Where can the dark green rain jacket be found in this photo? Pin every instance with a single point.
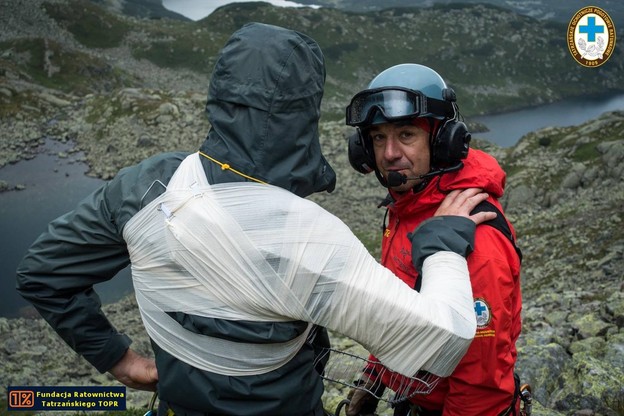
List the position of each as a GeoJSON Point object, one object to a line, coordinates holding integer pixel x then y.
{"type": "Point", "coordinates": [264, 107]}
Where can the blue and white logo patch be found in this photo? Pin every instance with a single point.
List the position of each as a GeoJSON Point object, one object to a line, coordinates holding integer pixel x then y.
{"type": "Point", "coordinates": [591, 36]}
{"type": "Point", "coordinates": [483, 313]}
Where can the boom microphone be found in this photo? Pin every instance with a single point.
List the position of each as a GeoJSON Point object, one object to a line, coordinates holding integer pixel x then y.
{"type": "Point", "coordinates": [397, 179]}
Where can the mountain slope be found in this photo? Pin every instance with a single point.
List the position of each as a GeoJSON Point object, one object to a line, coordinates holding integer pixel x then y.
{"type": "Point", "coordinates": [143, 9]}
{"type": "Point", "coordinates": [122, 89]}
{"type": "Point", "coordinates": [560, 11]}
{"type": "Point", "coordinates": [495, 59]}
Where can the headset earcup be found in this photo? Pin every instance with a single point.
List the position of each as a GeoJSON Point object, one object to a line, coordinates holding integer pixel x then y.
{"type": "Point", "coordinates": [451, 144]}
{"type": "Point", "coordinates": [359, 158]}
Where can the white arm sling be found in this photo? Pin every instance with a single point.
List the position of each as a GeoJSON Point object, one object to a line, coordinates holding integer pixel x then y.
{"type": "Point", "coordinates": [246, 251]}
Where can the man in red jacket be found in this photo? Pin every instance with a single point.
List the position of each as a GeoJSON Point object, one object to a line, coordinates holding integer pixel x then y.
{"type": "Point", "coordinates": [410, 135]}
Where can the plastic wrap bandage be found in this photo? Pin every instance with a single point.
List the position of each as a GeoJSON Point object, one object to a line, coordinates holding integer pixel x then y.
{"type": "Point", "coordinates": [346, 368]}
{"type": "Point", "coordinates": [247, 251]}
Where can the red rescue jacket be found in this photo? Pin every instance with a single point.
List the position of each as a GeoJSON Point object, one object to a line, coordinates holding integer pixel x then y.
{"type": "Point", "coordinates": [483, 383]}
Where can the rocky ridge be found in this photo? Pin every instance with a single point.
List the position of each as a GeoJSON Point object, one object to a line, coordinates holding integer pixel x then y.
{"type": "Point", "coordinates": [565, 195]}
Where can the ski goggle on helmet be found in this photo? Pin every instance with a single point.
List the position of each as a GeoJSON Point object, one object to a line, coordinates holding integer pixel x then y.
{"type": "Point", "coordinates": [401, 92]}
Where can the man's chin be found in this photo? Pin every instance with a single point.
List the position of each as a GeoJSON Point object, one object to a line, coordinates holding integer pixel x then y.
{"type": "Point", "coordinates": [404, 187]}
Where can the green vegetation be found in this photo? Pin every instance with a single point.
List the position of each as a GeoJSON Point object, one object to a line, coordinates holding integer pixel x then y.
{"type": "Point", "coordinates": [89, 24]}
{"type": "Point", "coordinates": [586, 152]}
{"type": "Point", "coordinates": [372, 241]}
{"type": "Point", "coordinates": [105, 109]}
{"type": "Point", "coordinates": [490, 72]}
{"type": "Point", "coordinates": [141, 106]}
{"type": "Point", "coordinates": [49, 64]}
{"type": "Point", "coordinates": [179, 52]}
{"type": "Point", "coordinates": [5, 412]}
{"type": "Point", "coordinates": [544, 141]}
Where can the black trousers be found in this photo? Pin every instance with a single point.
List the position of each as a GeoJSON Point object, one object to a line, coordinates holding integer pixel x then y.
{"type": "Point", "coordinates": [165, 410]}
{"type": "Point", "coordinates": [408, 409]}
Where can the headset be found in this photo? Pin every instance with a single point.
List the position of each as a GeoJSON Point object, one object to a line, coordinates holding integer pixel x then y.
{"type": "Point", "coordinates": [449, 145]}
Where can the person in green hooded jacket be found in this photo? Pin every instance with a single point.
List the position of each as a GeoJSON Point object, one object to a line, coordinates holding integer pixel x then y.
{"type": "Point", "coordinates": [264, 107]}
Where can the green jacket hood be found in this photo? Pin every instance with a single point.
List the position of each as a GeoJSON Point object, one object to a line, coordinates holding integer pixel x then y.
{"type": "Point", "coordinates": [264, 104]}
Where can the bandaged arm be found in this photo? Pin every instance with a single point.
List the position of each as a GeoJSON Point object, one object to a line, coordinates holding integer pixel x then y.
{"type": "Point", "coordinates": [302, 264]}
{"type": "Point", "coordinates": [412, 331]}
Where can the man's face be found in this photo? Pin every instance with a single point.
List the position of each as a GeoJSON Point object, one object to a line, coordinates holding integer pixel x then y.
{"type": "Point", "coordinates": [401, 147]}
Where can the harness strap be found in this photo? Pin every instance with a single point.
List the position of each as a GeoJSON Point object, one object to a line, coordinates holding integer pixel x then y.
{"type": "Point", "coordinates": [500, 223]}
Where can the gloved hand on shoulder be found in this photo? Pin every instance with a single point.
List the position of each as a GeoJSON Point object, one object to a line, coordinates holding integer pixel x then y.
{"type": "Point", "coordinates": [450, 233]}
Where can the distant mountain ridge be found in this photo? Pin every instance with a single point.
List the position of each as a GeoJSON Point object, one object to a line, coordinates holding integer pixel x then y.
{"type": "Point", "coordinates": [144, 9]}
{"type": "Point", "coordinates": [495, 59]}
{"type": "Point", "coordinates": [560, 11]}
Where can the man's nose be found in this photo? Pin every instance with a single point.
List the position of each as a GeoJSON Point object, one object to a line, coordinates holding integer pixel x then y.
{"type": "Point", "coordinates": [392, 150]}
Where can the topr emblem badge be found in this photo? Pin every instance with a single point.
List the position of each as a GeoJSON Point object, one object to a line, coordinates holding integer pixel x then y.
{"type": "Point", "coordinates": [591, 36]}
{"type": "Point", "coordinates": [483, 313]}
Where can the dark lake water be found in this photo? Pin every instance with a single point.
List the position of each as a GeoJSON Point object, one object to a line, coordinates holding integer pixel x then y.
{"type": "Point", "coordinates": [55, 184]}
{"type": "Point", "coordinates": [507, 128]}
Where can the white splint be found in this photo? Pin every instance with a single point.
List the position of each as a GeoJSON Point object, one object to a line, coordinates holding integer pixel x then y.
{"type": "Point", "coordinates": [246, 251]}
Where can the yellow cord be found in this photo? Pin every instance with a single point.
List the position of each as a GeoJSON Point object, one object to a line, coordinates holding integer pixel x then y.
{"type": "Point", "coordinates": [225, 166]}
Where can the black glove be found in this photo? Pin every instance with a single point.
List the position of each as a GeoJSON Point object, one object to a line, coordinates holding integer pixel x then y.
{"type": "Point", "coordinates": [444, 233]}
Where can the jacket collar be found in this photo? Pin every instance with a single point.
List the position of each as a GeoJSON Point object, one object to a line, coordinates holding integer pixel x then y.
{"type": "Point", "coordinates": [480, 170]}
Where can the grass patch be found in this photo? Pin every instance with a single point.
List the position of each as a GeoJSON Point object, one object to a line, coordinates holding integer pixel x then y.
{"type": "Point", "coordinates": [47, 63]}
{"type": "Point", "coordinates": [23, 103]}
{"type": "Point", "coordinates": [489, 73]}
{"type": "Point", "coordinates": [586, 152]}
{"type": "Point", "coordinates": [180, 52]}
{"type": "Point", "coordinates": [106, 110]}
{"type": "Point", "coordinates": [91, 25]}
{"type": "Point", "coordinates": [372, 242]}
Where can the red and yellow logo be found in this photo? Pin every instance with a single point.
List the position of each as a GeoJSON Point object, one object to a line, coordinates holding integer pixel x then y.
{"type": "Point", "coordinates": [591, 36]}
{"type": "Point", "coordinates": [21, 399]}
